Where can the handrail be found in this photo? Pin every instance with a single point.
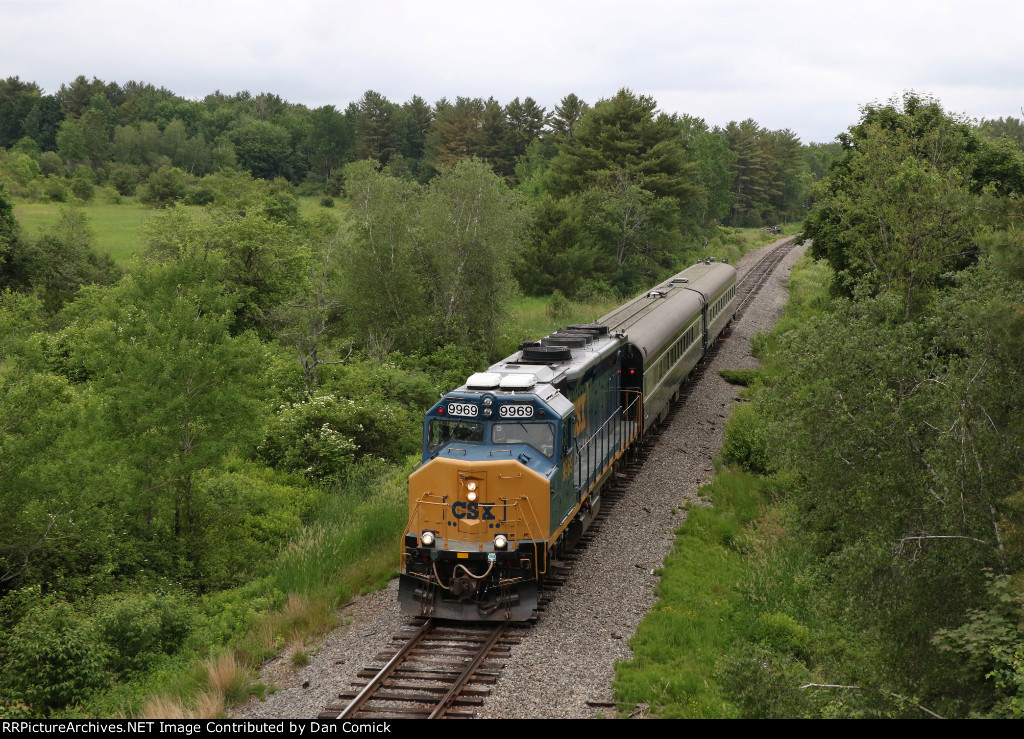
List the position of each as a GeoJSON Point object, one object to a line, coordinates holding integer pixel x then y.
{"type": "Point", "coordinates": [599, 452]}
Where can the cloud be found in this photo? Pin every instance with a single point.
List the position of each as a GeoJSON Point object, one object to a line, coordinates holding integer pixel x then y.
{"type": "Point", "coordinates": [787, 64]}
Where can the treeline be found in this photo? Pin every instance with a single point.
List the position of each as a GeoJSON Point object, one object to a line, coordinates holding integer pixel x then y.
{"type": "Point", "coordinates": [889, 581]}
{"type": "Point", "coordinates": [617, 190]}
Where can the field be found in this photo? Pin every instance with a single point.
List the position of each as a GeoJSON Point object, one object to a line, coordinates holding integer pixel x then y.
{"type": "Point", "coordinates": [117, 228]}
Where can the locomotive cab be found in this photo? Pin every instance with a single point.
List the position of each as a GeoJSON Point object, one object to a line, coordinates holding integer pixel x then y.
{"type": "Point", "coordinates": [475, 547]}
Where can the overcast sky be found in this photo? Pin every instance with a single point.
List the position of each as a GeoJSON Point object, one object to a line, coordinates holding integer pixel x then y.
{"type": "Point", "coordinates": [806, 66]}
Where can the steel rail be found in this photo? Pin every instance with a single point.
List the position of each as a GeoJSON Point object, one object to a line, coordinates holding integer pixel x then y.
{"type": "Point", "coordinates": [485, 649]}
{"type": "Point", "coordinates": [386, 672]}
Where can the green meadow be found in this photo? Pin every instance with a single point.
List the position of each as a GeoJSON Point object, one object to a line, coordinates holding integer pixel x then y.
{"type": "Point", "coordinates": [117, 229]}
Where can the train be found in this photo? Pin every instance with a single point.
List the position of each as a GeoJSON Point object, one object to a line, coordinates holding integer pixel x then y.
{"type": "Point", "coordinates": [515, 460]}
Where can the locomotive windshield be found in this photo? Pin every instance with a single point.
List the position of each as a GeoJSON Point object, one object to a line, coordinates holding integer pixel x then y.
{"type": "Point", "coordinates": [541, 436]}
{"type": "Point", "coordinates": [445, 431]}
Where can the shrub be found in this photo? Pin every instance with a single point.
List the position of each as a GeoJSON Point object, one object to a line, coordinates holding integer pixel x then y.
{"type": "Point", "coordinates": [139, 626]}
{"type": "Point", "coordinates": [327, 201]}
{"type": "Point", "coordinates": [322, 436]}
{"type": "Point", "coordinates": [746, 441]}
{"type": "Point", "coordinates": [200, 194]}
{"type": "Point", "coordinates": [56, 189]}
{"type": "Point", "coordinates": [558, 307]}
{"type": "Point", "coordinates": [55, 658]}
{"type": "Point", "coordinates": [50, 163]}
{"type": "Point", "coordinates": [81, 187]}
{"type": "Point", "coordinates": [125, 178]}
{"type": "Point", "coordinates": [164, 186]}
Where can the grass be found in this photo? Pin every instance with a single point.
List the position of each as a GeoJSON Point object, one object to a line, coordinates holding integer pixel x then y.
{"type": "Point", "coordinates": [734, 583]}
{"type": "Point", "coordinates": [533, 319]}
{"type": "Point", "coordinates": [678, 644]}
{"type": "Point", "coordinates": [117, 228]}
{"type": "Point", "coordinates": [350, 545]}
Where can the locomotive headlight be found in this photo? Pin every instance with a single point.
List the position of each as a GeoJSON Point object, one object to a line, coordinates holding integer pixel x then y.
{"type": "Point", "coordinates": [471, 496]}
{"type": "Point", "coordinates": [427, 538]}
{"type": "Point", "coordinates": [471, 486]}
{"type": "Point", "coordinates": [500, 542]}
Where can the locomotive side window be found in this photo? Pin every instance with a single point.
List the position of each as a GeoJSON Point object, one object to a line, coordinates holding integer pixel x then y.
{"type": "Point", "coordinates": [541, 436]}
{"type": "Point", "coordinates": [444, 431]}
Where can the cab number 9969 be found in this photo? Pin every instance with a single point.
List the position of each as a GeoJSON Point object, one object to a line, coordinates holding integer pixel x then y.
{"type": "Point", "coordinates": [461, 409]}
{"type": "Point", "coordinates": [516, 411]}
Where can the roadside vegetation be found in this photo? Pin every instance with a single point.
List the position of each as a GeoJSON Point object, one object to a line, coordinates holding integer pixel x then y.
{"type": "Point", "coordinates": [882, 575]}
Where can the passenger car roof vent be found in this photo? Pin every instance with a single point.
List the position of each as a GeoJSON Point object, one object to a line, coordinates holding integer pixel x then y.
{"type": "Point", "coordinates": [545, 355]}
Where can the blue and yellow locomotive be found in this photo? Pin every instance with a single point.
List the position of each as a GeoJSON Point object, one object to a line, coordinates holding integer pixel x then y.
{"type": "Point", "coordinates": [514, 461]}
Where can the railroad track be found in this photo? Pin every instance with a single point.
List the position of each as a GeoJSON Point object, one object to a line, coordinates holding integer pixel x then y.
{"type": "Point", "coordinates": [755, 277]}
{"type": "Point", "coordinates": [435, 669]}
{"type": "Point", "coordinates": [446, 669]}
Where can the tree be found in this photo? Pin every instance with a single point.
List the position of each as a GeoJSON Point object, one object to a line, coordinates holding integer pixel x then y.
{"type": "Point", "coordinates": [43, 121]}
{"type": "Point", "coordinates": [252, 227]}
{"type": "Point", "coordinates": [330, 141]}
{"type": "Point", "coordinates": [384, 285]}
{"type": "Point", "coordinates": [10, 231]}
{"type": "Point", "coordinates": [566, 117]}
{"type": "Point", "coordinates": [17, 99]}
{"type": "Point", "coordinates": [627, 181]}
{"type": "Point", "coordinates": [71, 142]}
{"type": "Point", "coordinates": [180, 393]}
{"type": "Point", "coordinates": [263, 148]}
{"type": "Point", "coordinates": [715, 160]}
{"type": "Point", "coordinates": [897, 211]}
{"type": "Point", "coordinates": [309, 317]}
{"type": "Point", "coordinates": [429, 266]}
{"type": "Point", "coordinates": [471, 230]}
{"type": "Point", "coordinates": [455, 133]}
{"type": "Point", "coordinates": [375, 127]}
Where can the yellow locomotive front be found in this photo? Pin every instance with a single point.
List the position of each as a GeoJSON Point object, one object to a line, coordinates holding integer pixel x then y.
{"type": "Point", "coordinates": [476, 546]}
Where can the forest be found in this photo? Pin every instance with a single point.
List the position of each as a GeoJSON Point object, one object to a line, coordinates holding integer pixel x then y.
{"type": "Point", "coordinates": [203, 446]}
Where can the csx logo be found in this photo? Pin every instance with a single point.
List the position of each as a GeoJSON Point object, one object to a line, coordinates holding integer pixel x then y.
{"type": "Point", "coordinates": [472, 511]}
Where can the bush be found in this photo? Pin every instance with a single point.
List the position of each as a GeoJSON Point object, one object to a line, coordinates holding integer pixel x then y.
{"type": "Point", "coordinates": [200, 194]}
{"type": "Point", "coordinates": [136, 627]}
{"type": "Point", "coordinates": [558, 307]}
{"type": "Point", "coordinates": [125, 178]}
{"type": "Point", "coordinates": [165, 186]}
{"type": "Point", "coordinates": [55, 658]}
{"type": "Point", "coordinates": [56, 189]}
{"type": "Point", "coordinates": [81, 187]}
{"type": "Point", "coordinates": [50, 163]}
{"type": "Point", "coordinates": [327, 201]}
{"type": "Point", "coordinates": [746, 441]}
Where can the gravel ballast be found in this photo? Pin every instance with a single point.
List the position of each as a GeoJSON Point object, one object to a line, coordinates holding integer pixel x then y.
{"type": "Point", "coordinates": [566, 662]}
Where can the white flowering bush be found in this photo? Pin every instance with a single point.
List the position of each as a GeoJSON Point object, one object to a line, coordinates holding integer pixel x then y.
{"type": "Point", "coordinates": [322, 436]}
